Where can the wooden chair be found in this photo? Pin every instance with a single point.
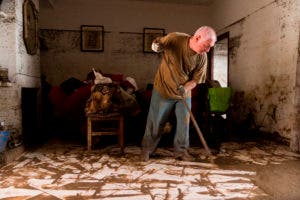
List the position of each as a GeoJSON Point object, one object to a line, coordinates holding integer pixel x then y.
{"type": "Point", "coordinates": [109, 124]}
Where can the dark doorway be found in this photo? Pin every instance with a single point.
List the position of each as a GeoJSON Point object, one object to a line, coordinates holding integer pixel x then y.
{"type": "Point", "coordinates": [30, 119]}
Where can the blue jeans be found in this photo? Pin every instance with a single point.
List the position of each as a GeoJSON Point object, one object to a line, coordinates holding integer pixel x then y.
{"type": "Point", "coordinates": [159, 111]}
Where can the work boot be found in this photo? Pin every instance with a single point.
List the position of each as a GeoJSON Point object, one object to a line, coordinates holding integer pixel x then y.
{"type": "Point", "coordinates": [144, 156]}
{"type": "Point", "coordinates": [185, 156]}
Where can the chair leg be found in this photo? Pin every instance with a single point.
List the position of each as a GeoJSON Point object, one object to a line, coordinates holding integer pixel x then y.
{"type": "Point", "coordinates": [121, 133]}
{"type": "Point", "coordinates": [89, 133]}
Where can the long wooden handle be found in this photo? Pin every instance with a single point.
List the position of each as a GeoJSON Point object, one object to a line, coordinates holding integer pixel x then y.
{"type": "Point", "coordinates": [191, 114]}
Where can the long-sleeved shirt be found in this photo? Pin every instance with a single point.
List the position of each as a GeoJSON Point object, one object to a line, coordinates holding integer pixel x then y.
{"type": "Point", "coordinates": [180, 60]}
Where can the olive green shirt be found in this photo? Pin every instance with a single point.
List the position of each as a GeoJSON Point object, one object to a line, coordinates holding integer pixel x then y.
{"type": "Point", "coordinates": [180, 60]}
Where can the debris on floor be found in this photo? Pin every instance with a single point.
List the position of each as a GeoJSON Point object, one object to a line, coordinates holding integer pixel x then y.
{"type": "Point", "coordinates": [60, 171]}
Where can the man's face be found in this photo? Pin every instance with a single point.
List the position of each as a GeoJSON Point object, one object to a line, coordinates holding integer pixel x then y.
{"type": "Point", "coordinates": [203, 46]}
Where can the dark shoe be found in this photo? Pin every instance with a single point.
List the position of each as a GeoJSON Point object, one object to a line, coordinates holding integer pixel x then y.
{"type": "Point", "coordinates": [185, 156]}
{"type": "Point", "coordinates": [144, 156]}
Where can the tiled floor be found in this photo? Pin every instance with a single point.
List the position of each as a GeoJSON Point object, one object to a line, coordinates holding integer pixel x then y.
{"type": "Point", "coordinates": [59, 171]}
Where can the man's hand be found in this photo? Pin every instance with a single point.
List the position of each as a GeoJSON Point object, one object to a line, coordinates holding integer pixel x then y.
{"type": "Point", "coordinates": [181, 90]}
{"type": "Point", "coordinates": [186, 88]}
{"type": "Point", "coordinates": [156, 45]}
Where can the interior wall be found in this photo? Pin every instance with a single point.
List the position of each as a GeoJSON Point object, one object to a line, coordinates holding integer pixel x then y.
{"type": "Point", "coordinates": [295, 140]}
{"type": "Point", "coordinates": [28, 70]}
{"type": "Point", "coordinates": [7, 33]}
{"type": "Point", "coordinates": [23, 69]}
{"type": "Point", "coordinates": [123, 21]}
{"type": "Point", "coordinates": [263, 57]}
{"type": "Point", "coordinates": [263, 47]}
{"type": "Point", "coordinates": [229, 12]}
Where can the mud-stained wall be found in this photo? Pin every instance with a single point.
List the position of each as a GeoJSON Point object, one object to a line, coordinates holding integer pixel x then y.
{"type": "Point", "coordinates": [295, 140]}
{"type": "Point", "coordinates": [263, 56]}
{"type": "Point", "coordinates": [123, 21]}
{"type": "Point", "coordinates": [27, 66]}
{"type": "Point", "coordinates": [23, 69]}
{"type": "Point", "coordinates": [7, 41]}
{"type": "Point", "coordinates": [61, 57]}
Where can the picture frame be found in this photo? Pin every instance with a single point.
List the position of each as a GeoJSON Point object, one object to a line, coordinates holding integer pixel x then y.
{"type": "Point", "coordinates": [30, 27]}
{"type": "Point", "coordinates": [149, 34]}
{"type": "Point", "coordinates": [92, 38]}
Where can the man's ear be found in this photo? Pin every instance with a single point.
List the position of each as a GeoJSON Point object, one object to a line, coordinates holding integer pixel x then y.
{"type": "Point", "coordinates": [198, 38]}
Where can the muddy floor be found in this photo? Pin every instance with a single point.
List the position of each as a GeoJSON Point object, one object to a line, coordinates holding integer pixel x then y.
{"type": "Point", "coordinates": [68, 171]}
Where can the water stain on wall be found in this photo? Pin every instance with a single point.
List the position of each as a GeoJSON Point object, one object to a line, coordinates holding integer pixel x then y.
{"type": "Point", "coordinates": [7, 19]}
{"type": "Point", "coordinates": [59, 40]}
{"type": "Point", "coordinates": [127, 43]}
{"type": "Point", "coordinates": [260, 106]}
{"type": "Point", "coordinates": [234, 44]}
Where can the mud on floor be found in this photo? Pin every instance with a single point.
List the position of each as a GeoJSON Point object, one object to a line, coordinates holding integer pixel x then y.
{"type": "Point", "coordinates": [60, 171]}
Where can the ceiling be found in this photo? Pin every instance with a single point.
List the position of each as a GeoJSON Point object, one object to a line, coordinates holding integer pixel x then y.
{"type": "Point", "coordinates": [192, 2]}
{"type": "Point", "coordinates": [51, 3]}
{"type": "Point", "coordinates": [189, 2]}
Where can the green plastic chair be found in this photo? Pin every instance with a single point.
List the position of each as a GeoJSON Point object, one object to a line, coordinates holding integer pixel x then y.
{"type": "Point", "coordinates": [219, 99]}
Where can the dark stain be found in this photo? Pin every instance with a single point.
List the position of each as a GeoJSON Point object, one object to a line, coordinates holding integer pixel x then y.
{"type": "Point", "coordinates": [180, 194]}
{"type": "Point", "coordinates": [77, 166]}
{"type": "Point", "coordinates": [44, 197]}
{"type": "Point", "coordinates": [83, 185]}
{"type": "Point", "coordinates": [43, 44]}
{"type": "Point", "coordinates": [234, 44]}
{"type": "Point", "coordinates": [9, 20]}
{"type": "Point", "coordinates": [227, 161]}
{"type": "Point", "coordinates": [211, 187]}
{"type": "Point", "coordinates": [263, 100]}
{"type": "Point", "coordinates": [145, 189]}
{"type": "Point", "coordinates": [59, 40]}
{"type": "Point", "coordinates": [287, 4]}
{"type": "Point", "coordinates": [77, 197]}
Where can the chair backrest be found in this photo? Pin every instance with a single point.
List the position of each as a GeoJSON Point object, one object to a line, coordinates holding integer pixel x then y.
{"type": "Point", "coordinates": [219, 99]}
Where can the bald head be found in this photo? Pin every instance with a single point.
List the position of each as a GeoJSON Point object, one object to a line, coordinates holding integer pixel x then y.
{"type": "Point", "coordinates": [206, 33]}
{"type": "Point", "coordinates": [203, 39]}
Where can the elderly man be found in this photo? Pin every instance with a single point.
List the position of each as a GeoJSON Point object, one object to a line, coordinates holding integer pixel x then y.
{"type": "Point", "coordinates": [183, 66]}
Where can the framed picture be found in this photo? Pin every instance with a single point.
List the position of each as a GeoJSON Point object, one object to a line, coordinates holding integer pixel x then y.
{"type": "Point", "coordinates": [30, 27]}
{"type": "Point", "coordinates": [149, 35]}
{"type": "Point", "coordinates": [92, 38]}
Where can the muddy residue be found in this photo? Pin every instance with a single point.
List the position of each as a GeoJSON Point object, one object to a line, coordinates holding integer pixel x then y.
{"type": "Point", "coordinates": [59, 40]}
{"type": "Point", "coordinates": [261, 106]}
{"type": "Point", "coordinates": [234, 44]}
{"type": "Point", "coordinates": [71, 172]}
